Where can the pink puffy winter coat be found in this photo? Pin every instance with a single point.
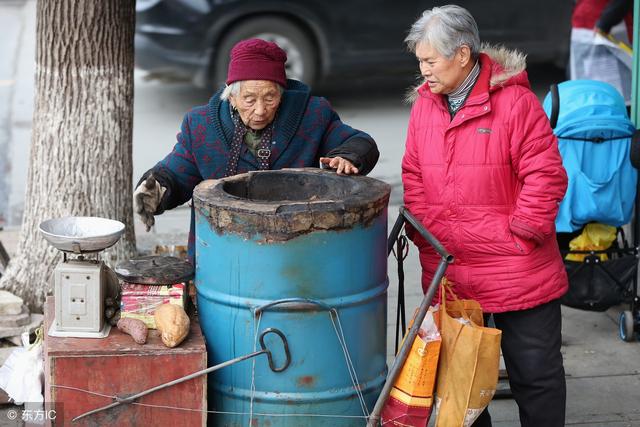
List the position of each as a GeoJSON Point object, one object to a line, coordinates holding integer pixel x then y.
{"type": "Point", "coordinates": [487, 184]}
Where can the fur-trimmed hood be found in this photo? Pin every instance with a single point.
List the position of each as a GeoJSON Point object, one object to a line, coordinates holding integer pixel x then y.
{"type": "Point", "coordinates": [507, 65]}
{"type": "Point", "coordinates": [507, 68]}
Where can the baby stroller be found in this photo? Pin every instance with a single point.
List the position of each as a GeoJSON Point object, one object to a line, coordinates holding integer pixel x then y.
{"type": "Point", "coordinates": [595, 138]}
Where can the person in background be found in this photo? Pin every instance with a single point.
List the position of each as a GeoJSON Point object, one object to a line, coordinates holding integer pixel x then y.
{"type": "Point", "coordinates": [482, 172]}
{"type": "Point", "coordinates": [599, 51]}
{"type": "Point", "coordinates": [602, 15]}
{"type": "Point", "coordinates": [260, 120]}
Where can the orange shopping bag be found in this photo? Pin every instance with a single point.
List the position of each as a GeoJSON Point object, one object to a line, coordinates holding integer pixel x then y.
{"type": "Point", "coordinates": [411, 398]}
{"type": "Point", "coordinates": [469, 362]}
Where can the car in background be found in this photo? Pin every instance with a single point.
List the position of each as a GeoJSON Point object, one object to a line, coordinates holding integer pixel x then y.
{"type": "Point", "coordinates": [327, 39]}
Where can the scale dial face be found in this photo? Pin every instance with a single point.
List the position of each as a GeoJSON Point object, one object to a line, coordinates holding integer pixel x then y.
{"type": "Point", "coordinates": [79, 295]}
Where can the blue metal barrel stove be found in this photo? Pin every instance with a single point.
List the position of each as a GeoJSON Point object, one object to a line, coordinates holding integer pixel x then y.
{"type": "Point", "coordinates": [303, 251]}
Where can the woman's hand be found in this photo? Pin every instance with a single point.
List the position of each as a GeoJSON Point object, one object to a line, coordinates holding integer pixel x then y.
{"type": "Point", "coordinates": [146, 199]}
{"type": "Point", "coordinates": [341, 166]}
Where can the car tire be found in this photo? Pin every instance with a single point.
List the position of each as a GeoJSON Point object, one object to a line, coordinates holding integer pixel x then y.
{"type": "Point", "coordinates": [301, 52]}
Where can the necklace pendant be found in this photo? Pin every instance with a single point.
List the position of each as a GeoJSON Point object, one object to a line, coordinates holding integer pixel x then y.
{"type": "Point", "coordinates": [263, 153]}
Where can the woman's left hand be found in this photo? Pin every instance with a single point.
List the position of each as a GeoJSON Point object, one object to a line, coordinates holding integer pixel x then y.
{"type": "Point", "coordinates": [341, 166]}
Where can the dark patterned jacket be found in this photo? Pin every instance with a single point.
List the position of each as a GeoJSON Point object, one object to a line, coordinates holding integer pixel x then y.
{"type": "Point", "coordinates": [305, 129]}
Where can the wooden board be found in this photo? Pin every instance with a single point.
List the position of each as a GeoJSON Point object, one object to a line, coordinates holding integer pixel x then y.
{"type": "Point", "coordinates": [93, 369]}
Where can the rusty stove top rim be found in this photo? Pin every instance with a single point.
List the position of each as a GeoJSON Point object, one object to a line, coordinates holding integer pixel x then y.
{"type": "Point", "coordinates": [354, 202]}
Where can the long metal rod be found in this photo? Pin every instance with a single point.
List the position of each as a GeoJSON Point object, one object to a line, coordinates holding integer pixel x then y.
{"type": "Point", "coordinates": [398, 363]}
{"type": "Point", "coordinates": [170, 383]}
{"type": "Point", "coordinates": [402, 355]}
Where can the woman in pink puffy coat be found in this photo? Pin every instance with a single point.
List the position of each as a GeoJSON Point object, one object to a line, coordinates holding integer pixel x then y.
{"type": "Point", "coordinates": [482, 172]}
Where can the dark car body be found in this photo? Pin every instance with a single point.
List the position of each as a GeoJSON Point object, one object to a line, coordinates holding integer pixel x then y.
{"type": "Point", "coordinates": [192, 38]}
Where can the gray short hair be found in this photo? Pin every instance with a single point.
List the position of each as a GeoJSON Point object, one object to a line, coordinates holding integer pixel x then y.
{"type": "Point", "coordinates": [230, 89]}
{"type": "Point", "coordinates": [234, 89]}
{"type": "Point", "coordinates": [445, 28]}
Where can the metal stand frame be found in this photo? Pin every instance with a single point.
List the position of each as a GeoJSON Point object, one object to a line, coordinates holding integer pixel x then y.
{"type": "Point", "coordinates": [629, 322]}
{"type": "Point", "coordinates": [445, 259]}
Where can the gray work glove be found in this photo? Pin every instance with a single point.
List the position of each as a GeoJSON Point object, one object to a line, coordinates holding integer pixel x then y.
{"type": "Point", "coordinates": [146, 199]}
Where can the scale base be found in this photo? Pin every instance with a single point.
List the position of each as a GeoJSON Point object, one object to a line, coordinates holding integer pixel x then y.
{"type": "Point", "coordinates": [53, 332]}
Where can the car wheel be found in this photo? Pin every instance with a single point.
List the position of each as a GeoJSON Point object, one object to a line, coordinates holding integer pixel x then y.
{"type": "Point", "coordinates": [301, 54]}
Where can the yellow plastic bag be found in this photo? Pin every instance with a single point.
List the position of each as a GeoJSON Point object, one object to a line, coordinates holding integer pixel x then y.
{"type": "Point", "coordinates": [594, 237]}
{"type": "Point", "coordinates": [411, 397]}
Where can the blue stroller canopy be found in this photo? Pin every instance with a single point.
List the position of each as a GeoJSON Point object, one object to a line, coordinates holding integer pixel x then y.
{"type": "Point", "coordinates": [590, 109]}
{"type": "Point", "coordinates": [594, 137]}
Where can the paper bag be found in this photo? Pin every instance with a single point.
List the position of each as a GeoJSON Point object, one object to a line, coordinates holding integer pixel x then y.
{"type": "Point", "coordinates": [469, 362]}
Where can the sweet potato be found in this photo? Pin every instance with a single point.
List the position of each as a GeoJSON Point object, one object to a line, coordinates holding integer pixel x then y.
{"type": "Point", "coordinates": [134, 327]}
{"type": "Point", "coordinates": [114, 320]}
{"type": "Point", "coordinates": [173, 323]}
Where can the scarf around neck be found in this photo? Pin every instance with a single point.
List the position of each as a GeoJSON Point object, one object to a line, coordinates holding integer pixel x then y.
{"type": "Point", "coordinates": [263, 150]}
{"type": "Point", "coordinates": [456, 99]}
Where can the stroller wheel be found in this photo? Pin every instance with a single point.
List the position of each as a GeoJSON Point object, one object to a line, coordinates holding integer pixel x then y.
{"type": "Point", "coordinates": [626, 326]}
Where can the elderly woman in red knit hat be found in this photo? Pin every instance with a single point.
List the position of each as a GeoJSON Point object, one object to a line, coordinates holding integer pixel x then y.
{"type": "Point", "coordinates": [259, 120]}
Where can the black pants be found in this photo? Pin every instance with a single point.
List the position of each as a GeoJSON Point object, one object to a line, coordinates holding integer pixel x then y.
{"type": "Point", "coordinates": [531, 342]}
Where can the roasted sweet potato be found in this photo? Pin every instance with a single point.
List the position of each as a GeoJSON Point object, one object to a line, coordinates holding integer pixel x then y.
{"type": "Point", "coordinates": [173, 323]}
{"type": "Point", "coordinates": [134, 327]}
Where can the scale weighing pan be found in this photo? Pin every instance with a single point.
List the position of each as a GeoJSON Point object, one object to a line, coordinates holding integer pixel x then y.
{"type": "Point", "coordinates": [81, 234]}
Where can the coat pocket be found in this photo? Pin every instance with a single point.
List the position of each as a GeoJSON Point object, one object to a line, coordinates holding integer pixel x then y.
{"type": "Point", "coordinates": [523, 246]}
{"type": "Point", "coordinates": [485, 231]}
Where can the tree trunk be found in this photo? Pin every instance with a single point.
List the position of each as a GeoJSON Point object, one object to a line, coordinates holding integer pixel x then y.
{"type": "Point", "coordinates": [80, 163]}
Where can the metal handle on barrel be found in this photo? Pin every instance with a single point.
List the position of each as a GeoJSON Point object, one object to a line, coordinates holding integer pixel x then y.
{"type": "Point", "coordinates": [301, 304]}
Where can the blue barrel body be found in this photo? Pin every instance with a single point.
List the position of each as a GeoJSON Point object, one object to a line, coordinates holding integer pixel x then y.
{"type": "Point", "coordinates": [314, 281]}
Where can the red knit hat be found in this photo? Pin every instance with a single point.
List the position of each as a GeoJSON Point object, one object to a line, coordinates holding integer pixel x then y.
{"type": "Point", "coordinates": [256, 59]}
